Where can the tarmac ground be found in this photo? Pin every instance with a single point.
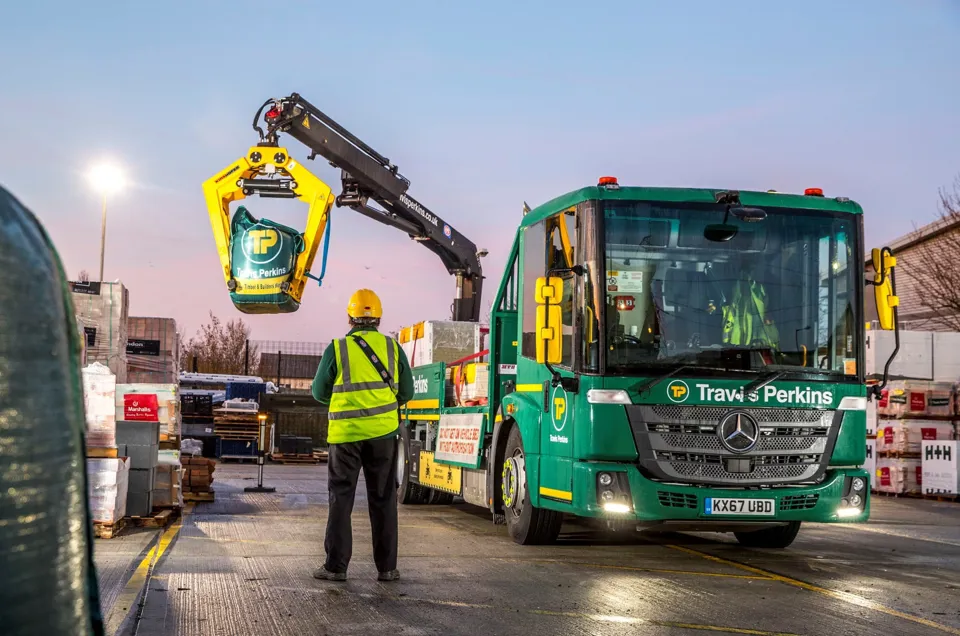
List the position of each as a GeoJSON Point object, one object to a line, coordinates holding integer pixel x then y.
{"type": "Point", "coordinates": [242, 565]}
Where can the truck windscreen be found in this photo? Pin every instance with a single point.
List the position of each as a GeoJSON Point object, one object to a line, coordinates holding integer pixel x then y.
{"type": "Point", "coordinates": [785, 286]}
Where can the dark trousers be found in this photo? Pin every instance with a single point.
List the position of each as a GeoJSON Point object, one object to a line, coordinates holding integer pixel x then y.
{"type": "Point", "coordinates": [378, 458]}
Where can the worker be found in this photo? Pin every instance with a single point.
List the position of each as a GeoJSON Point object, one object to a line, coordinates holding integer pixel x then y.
{"type": "Point", "coordinates": [364, 378]}
{"type": "Point", "coordinates": [745, 316]}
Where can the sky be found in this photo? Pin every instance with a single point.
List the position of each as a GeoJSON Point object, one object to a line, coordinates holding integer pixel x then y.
{"type": "Point", "coordinates": [482, 106]}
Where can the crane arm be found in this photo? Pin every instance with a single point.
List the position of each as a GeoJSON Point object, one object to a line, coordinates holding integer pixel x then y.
{"type": "Point", "coordinates": [367, 176]}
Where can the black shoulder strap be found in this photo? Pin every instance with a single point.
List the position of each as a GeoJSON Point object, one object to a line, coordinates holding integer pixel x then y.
{"type": "Point", "coordinates": [375, 361]}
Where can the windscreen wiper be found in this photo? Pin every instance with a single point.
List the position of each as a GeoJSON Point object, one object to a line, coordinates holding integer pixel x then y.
{"type": "Point", "coordinates": [763, 381]}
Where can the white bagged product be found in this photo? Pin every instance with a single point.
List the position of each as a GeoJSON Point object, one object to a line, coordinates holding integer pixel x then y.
{"type": "Point", "coordinates": [99, 394]}
{"type": "Point", "coordinates": [107, 481]}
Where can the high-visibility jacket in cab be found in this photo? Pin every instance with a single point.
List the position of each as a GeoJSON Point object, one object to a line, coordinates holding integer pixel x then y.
{"type": "Point", "coordinates": [745, 320]}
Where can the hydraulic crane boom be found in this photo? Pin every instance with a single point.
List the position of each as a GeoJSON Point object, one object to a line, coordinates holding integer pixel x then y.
{"type": "Point", "coordinates": [367, 175]}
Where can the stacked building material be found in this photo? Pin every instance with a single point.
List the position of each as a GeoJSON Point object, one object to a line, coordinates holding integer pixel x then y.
{"type": "Point", "coordinates": [167, 485]}
{"type": "Point", "coordinates": [910, 413]}
{"type": "Point", "coordinates": [153, 350]}
{"type": "Point", "coordinates": [102, 309]}
{"type": "Point", "coordinates": [468, 385]}
{"type": "Point", "coordinates": [237, 428]}
{"type": "Point", "coordinates": [107, 482]}
{"type": "Point", "coordinates": [197, 475]}
{"type": "Point", "coordinates": [439, 341]}
{"type": "Point", "coordinates": [245, 390]}
{"type": "Point", "coordinates": [99, 397]}
{"type": "Point", "coordinates": [151, 403]}
{"type": "Point", "coordinates": [140, 441]}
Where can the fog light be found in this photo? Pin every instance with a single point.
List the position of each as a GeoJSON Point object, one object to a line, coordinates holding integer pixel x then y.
{"type": "Point", "coordinates": [856, 500]}
{"type": "Point", "coordinates": [616, 507]}
{"type": "Point", "coordinates": [606, 479]}
{"type": "Point", "coordinates": [607, 495]}
{"type": "Point", "coordinates": [848, 512]}
{"type": "Point", "coordinates": [858, 484]}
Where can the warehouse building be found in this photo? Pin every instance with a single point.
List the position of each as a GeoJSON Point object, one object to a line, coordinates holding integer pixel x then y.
{"type": "Point", "coordinates": [913, 252]}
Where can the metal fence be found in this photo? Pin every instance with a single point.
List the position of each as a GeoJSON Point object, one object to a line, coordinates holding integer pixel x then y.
{"type": "Point", "coordinates": [288, 364]}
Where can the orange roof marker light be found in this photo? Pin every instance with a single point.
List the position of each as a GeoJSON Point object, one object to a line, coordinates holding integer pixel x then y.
{"type": "Point", "coordinates": [813, 192]}
{"type": "Point", "coordinates": [608, 182]}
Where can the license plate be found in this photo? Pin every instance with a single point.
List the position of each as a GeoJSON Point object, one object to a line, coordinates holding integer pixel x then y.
{"type": "Point", "coordinates": [752, 507]}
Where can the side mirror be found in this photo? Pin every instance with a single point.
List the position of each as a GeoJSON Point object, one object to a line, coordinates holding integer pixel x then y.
{"type": "Point", "coordinates": [549, 320]}
{"type": "Point", "coordinates": [883, 292]}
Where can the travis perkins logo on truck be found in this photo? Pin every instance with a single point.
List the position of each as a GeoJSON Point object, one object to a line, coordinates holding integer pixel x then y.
{"type": "Point", "coordinates": [679, 391]}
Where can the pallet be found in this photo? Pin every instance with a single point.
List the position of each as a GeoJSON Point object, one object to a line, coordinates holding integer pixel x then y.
{"type": "Point", "coordinates": [96, 452]}
{"type": "Point", "coordinates": [238, 457]}
{"type": "Point", "coordinates": [158, 520]}
{"type": "Point", "coordinates": [198, 497]}
{"type": "Point", "coordinates": [103, 530]}
{"type": "Point", "coordinates": [281, 458]}
{"type": "Point", "coordinates": [899, 454]}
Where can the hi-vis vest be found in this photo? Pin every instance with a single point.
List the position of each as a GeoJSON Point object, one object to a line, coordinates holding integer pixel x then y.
{"type": "Point", "coordinates": [745, 320]}
{"type": "Point", "coordinates": [363, 406]}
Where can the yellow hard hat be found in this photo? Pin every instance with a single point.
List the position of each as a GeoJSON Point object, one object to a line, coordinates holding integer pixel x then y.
{"type": "Point", "coordinates": [364, 304]}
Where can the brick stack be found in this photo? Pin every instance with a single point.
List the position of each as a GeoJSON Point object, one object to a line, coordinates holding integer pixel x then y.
{"type": "Point", "coordinates": [197, 475]}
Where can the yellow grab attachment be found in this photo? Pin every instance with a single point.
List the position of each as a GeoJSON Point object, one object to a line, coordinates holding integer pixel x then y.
{"type": "Point", "coordinates": [266, 265]}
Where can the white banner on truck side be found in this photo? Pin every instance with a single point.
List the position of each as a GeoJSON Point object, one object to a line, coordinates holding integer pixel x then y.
{"type": "Point", "coordinates": [458, 438]}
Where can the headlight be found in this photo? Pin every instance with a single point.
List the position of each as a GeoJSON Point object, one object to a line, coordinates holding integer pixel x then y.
{"type": "Point", "coordinates": [856, 500]}
{"type": "Point", "coordinates": [606, 479]}
{"type": "Point", "coordinates": [858, 484]}
{"type": "Point", "coordinates": [606, 495]}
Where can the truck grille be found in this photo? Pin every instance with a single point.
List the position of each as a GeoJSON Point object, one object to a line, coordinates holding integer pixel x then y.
{"type": "Point", "coordinates": [677, 499]}
{"type": "Point", "coordinates": [679, 443]}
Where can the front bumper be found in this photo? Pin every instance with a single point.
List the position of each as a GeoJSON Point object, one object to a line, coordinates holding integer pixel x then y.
{"type": "Point", "coordinates": [656, 502]}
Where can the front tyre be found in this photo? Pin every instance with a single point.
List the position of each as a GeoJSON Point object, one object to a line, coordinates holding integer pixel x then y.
{"type": "Point", "coordinates": [526, 524]}
{"type": "Point", "coordinates": [772, 538]}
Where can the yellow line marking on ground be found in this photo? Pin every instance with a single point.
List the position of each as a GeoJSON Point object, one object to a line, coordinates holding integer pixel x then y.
{"type": "Point", "coordinates": [847, 597]}
{"type": "Point", "coordinates": [600, 618]}
{"type": "Point", "coordinates": [131, 591]}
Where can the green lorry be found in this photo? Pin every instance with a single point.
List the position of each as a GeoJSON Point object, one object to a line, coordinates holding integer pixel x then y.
{"type": "Point", "coordinates": [669, 359]}
{"type": "Point", "coordinates": [663, 358]}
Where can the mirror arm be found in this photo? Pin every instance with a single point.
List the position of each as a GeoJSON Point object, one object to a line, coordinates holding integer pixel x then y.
{"type": "Point", "coordinates": [878, 388]}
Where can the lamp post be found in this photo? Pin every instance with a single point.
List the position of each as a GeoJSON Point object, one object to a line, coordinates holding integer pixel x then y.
{"type": "Point", "coordinates": [106, 179]}
{"type": "Point", "coordinates": [261, 458]}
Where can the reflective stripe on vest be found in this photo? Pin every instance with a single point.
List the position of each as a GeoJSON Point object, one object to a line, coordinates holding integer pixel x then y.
{"type": "Point", "coordinates": [362, 406]}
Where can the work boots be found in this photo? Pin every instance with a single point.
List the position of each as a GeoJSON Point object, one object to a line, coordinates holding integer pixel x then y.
{"type": "Point", "coordinates": [392, 575]}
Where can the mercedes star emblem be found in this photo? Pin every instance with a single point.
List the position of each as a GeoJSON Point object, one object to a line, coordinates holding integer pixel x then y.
{"type": "Point", "coordinates": [738, 432]}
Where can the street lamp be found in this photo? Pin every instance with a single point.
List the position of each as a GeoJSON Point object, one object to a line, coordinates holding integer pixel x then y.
{"type": "Point", "coordinates": [106, 179]}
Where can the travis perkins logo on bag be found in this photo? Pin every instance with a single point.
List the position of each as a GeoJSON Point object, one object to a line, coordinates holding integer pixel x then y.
{"type": "Point", "coordinates": [679, 391]}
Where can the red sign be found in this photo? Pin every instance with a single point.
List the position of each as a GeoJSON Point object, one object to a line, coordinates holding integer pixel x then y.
{"type": "Point", "coordinates": [928, 433]}
{"type": "Point", "coordinates": [141, 407]}
{"type": "Point", "coordinates": [625, 303]}
{"type": "Point", "coordinates": [919, 475]}
{"type": "Point", "coordinates": [884, 399]}
{"type": "Point", "coordinates": [918, 401]}
{"type": "Point", "coordinates": [888, 435]}
{"type": "Point", "coordinates": [885, 476]}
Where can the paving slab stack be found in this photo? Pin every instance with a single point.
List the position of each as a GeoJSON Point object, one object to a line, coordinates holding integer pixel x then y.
{"type": "Point", "coordinates": [140, 442]}
{"type": "Point", "coordinates": [912, 428]}
{"type": "Point", "coordinates": [102, 311]}
{"type": "Point", "coordinates": [153, 350]}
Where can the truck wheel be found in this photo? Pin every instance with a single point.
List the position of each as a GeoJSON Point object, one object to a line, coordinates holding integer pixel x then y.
{"type": "Point", "coordinates": [526, 524]}
{"type": "Point", "coordinates": [407, 492]}
{"type": "Point", "coordinates": [777, 537]}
